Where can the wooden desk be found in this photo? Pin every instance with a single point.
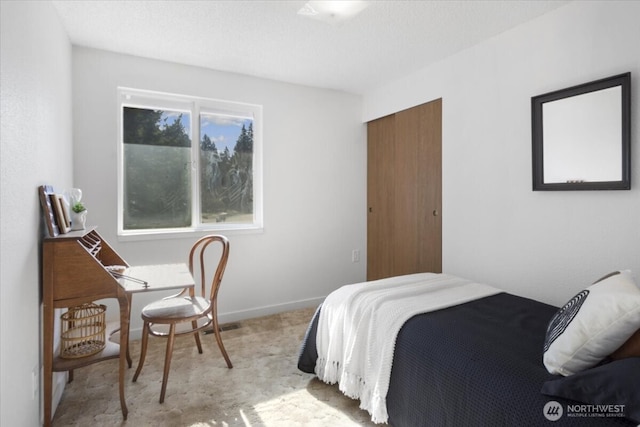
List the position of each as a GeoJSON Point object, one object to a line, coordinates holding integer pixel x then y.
{"type": "Point", "coordinates": [74, 272]}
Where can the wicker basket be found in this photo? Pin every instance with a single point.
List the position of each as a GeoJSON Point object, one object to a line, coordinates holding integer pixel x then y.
{"type": "Point", "coordinates": [83, 331]}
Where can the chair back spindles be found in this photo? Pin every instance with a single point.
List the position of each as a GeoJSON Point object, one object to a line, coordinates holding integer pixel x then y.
{"type": "Point", "coordinates": [199, 250]}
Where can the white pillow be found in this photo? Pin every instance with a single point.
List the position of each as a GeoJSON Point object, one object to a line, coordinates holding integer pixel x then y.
{"type": "Point", "coordinates": [593, 324]}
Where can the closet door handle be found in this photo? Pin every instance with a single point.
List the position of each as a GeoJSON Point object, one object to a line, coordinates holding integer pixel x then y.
{"type": "Point", "coordinates": [435, 212]}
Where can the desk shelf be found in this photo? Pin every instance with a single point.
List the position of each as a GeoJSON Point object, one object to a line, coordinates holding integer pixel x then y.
{"type": "Point", "coordinates": [73, 273]}
{"type": "Point", "coordinates": [111, 350]}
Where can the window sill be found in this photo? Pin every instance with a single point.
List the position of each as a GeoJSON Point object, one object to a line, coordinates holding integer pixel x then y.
{"type": "Point", "coordinates": [181, 233]}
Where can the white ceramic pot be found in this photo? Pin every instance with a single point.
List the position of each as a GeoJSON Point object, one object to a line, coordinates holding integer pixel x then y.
{"type": "Point", "coordinates": [78, 220]}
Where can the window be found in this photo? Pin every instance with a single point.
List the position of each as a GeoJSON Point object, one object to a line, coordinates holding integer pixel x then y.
{"type": "Point", "coordinates": [188, 164]}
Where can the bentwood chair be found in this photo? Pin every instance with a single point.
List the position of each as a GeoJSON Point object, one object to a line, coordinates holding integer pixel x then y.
{"type": "Point", "coordinates": [194, 312]}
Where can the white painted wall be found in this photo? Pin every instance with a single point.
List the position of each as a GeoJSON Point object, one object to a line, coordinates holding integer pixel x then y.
{"type": "Point", "coordinates": [314, 181]}
{"type": "Point", "coordinates": [35, 149]}
{"type": "Point", "coordinates": [496, 230]}
{"type": "Point", "coordinates": [544, 245]}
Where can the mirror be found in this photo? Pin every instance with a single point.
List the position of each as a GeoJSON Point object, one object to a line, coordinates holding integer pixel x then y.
{"type": "Point", "coordinates": [581, 136]}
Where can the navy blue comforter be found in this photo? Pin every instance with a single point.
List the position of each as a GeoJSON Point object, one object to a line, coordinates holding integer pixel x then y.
{"type": "Point", "coordinates": [475, 364]}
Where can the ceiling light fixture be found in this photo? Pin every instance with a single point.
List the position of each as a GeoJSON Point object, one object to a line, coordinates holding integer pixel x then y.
{"type": "Point", "coordinates": [332, 11]}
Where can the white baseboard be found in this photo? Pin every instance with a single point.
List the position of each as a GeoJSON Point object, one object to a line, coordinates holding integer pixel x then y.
{"type": "Point", "coordinates": [235, 316]}
{"type": "Point", "coordinates": [58, 383]}
{"type": "Point", "coordinates": [268, 310]}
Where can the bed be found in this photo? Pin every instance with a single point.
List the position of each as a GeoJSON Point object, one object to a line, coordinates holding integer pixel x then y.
{"type": "Point", "coordinates": [476, 362]}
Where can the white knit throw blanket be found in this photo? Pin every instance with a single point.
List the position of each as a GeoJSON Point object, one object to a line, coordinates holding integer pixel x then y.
{"type": "Point", "coordinates": [359, 323]}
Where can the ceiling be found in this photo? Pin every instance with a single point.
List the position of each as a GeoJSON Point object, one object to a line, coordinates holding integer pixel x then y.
{"type": "Point", "coordinates": [268, 39]}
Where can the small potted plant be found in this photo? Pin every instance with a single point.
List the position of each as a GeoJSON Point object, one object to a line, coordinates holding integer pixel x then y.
{"type": "Point", "coordinates": [78, 216]}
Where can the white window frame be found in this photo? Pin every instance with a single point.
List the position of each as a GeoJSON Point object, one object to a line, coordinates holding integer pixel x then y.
{"type": "Point", "coordinates": [129, 97]}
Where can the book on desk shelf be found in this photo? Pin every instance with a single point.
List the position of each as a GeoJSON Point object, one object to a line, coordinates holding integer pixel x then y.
{"type": "Point", "coordinates": [44, 192]}
{"type": "Point", "coordinates": [59, 209]}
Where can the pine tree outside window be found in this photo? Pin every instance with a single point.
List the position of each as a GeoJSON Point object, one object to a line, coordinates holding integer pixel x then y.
{"type": "Point", "coordinates": [188, 164]}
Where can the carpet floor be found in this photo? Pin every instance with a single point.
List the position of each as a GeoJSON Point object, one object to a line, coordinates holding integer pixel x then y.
{"type": "Point", "coordinates": [264, 387]}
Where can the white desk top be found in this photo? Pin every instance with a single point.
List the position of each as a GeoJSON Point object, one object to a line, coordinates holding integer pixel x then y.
{"type": "Point", "coordinates": [158, 277]}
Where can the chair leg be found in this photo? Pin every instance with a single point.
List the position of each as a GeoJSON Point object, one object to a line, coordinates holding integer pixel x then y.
{"type": "Point", "coordinates": [143, 350]}
{"type": "Point", "coordinates": [167, 360]}
{"type": "Point", "coordinates": [196, 334]}
{"type": "Point", "coordinates": [216, 330]}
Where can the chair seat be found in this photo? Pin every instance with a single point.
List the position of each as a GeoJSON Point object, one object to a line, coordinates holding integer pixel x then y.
{"type": "Point", "coordinates": [178, 308]}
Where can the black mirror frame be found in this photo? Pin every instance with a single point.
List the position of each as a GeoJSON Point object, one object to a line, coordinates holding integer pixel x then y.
{"type": "Point", "coordinates": [622, 80]}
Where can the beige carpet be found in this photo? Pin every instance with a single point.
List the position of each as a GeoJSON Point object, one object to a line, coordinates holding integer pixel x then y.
{"type": "Point", "coordinates": [264, 388]}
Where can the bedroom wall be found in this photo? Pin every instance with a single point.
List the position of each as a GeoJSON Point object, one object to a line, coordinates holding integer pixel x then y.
{"type": "Point", "coordinates": [314, 181]}
{"type": "Point", "coordinates": [544, 245]}
{"type": "Point", "coordinates": [35, 70]}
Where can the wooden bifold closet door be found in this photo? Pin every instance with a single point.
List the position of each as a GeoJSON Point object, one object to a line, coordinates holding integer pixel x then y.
{"type": "Point", "coordinates": [404, 192]}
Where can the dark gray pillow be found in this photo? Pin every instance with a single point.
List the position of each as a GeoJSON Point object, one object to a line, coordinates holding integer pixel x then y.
{"type": "Point", "coordinates": [614, 383]}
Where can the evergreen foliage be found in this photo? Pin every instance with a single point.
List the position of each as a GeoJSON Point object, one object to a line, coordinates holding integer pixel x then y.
{"type": "Point", "coordinates": [226, 180]}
